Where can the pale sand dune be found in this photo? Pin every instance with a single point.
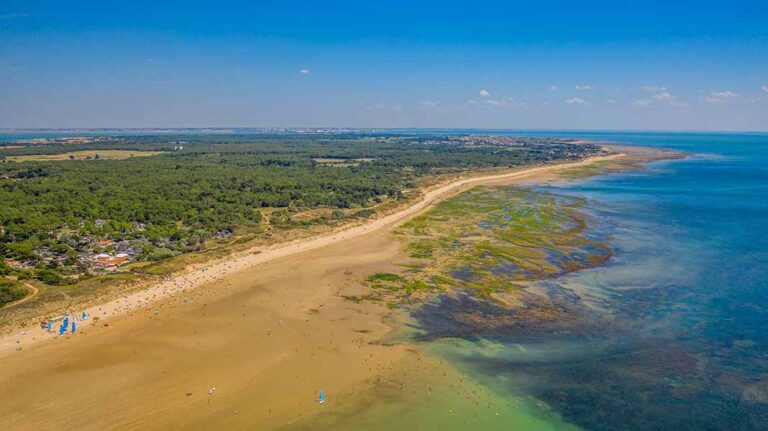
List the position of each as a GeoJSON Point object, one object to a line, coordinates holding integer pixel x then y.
{"type": "Point", "coordinates": [266, 338]}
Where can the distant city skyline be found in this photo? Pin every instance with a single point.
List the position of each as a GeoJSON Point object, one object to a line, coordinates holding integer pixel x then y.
{"type": "Point", "coordinates": [611, 65]}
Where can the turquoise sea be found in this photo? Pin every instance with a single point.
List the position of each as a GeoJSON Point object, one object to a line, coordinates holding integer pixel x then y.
{"type": "Point", "coordinates": [674, 330]}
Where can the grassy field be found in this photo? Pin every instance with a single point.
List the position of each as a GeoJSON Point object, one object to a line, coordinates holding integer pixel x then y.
{"type": "Point", "coordinates": [341, 163]}
{"type": "Point", "coordinates": [85, 155]}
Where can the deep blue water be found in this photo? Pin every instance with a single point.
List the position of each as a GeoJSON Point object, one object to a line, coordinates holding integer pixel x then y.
{"type": "Point", "coordinates": [679, 338]}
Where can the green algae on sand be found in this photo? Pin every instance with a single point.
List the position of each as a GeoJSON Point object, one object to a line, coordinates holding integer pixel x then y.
{"type": "Point", "coordinates": [489, 239]}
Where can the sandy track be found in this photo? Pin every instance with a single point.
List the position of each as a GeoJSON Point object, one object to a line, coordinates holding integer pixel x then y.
{"type": "Point", "coordinates": [24, 299]}
{"type": "Point", "coordinates": [218, 269]}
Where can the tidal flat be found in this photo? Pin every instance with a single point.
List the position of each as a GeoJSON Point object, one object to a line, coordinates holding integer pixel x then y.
{"type": "Point", "coordinates": [463, 278]}
{"type": "Point", "coordinates": [491, 239]}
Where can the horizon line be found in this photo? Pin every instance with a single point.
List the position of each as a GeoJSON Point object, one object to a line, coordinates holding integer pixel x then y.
{"type": "Point", "coordinates": [363, 128]}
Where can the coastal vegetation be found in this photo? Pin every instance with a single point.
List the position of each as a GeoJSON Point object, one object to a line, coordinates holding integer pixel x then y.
{"type": "Point", "coordinates": [79, 208]}
{"type": "Point", "coordinates": [11, 291]}
{"type": "Point", "coordinates": [489, 239]}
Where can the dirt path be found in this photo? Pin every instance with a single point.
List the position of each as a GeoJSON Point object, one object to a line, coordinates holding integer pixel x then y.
{"type": "Point", "coordinates": [34, 290]}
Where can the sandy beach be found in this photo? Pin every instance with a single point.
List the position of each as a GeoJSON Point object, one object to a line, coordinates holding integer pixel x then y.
{"type": "Point", "coordinates": [229, 345]}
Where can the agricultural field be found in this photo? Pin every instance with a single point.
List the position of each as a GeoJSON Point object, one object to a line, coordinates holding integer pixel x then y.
{"type": "Point", "coordinates": [83, 155]}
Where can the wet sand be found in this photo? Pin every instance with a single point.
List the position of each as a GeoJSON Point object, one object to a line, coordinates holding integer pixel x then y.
{"type": "Point", "coordinates": [237, 345]}
{"type": "Point", "coordinates": [267, 342]}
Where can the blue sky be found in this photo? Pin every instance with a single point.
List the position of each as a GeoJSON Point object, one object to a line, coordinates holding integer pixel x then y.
{"type": "Point", "coordinates": [693, 65]}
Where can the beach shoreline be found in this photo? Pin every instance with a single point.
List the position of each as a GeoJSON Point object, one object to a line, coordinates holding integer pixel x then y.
{"type": "Point", "coordinates": [204, 273]}
{"type": "Point", "coordinates": [260, 339]}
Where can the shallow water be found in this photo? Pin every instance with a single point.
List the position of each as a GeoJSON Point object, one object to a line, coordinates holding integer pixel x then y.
{"type": "Point", "coordinates": [677, 333]}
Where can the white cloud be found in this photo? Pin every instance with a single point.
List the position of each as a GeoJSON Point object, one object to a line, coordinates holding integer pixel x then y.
{"type": "Point", "coordinates": [654, 88]}
{"type": "Point", "coordinates": [304, 71]}
{"type": "Point", "coordinates": [575, 101]}
{"type": "Point", "coordinates": [765, 88]}
{"type": "Point", "coordinates": [504, 101]}
{"type": "Point", "coordinates": [382, 106]}
{"type": "Point", "coordinates": [642, 103]}
{"type": "Point", "coordinates": [471, 102]}
{"type": "Point", "coordinates": [585, 87]}
{"type": "Point", "coordinates": [611, 101]}
{"type": "Point", "coordinates": [484, 93]}
{"type": "Point", "coordinates": [715, 96]}
{"type": "Point", "coordinates": [669, 99]}
{"type": "Point", "coordinates": [553, 88]}
{"type": "Point", "coordinates": [724, 94]}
